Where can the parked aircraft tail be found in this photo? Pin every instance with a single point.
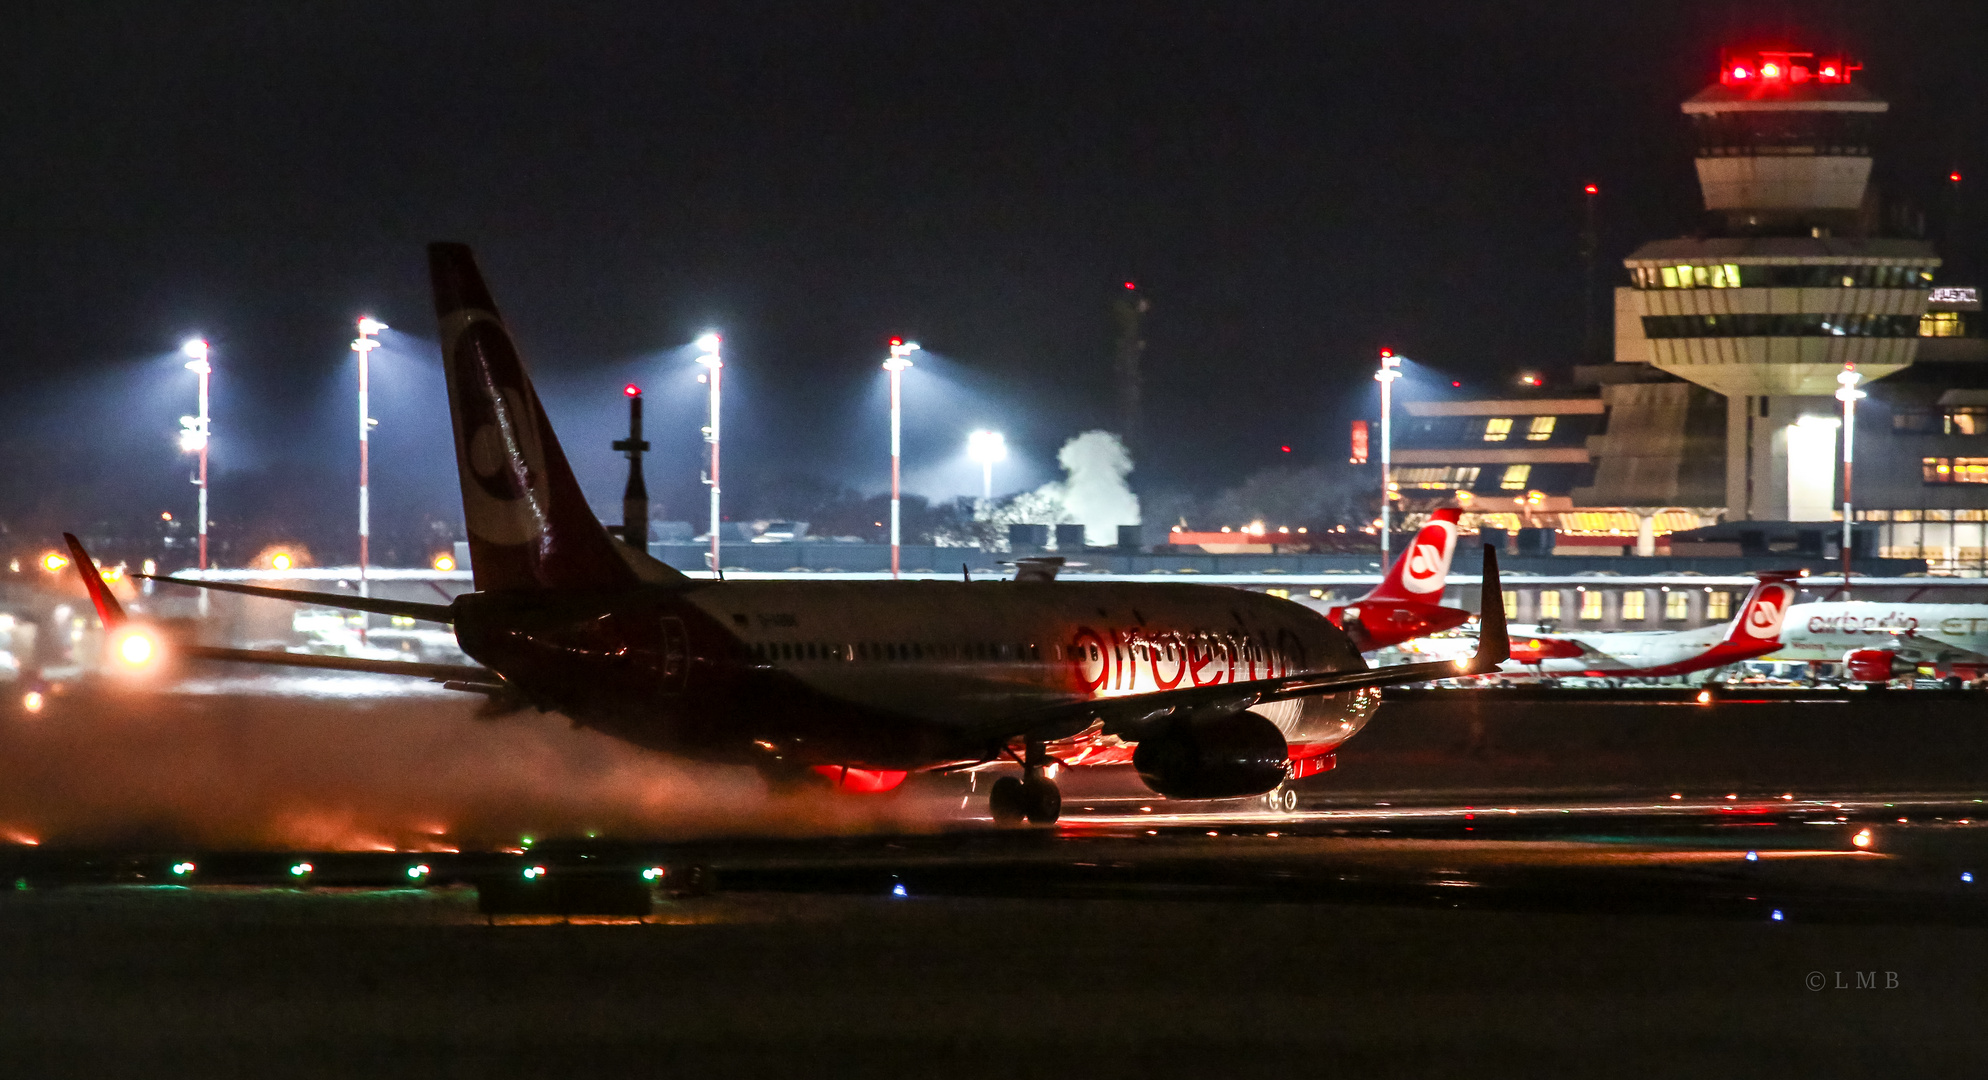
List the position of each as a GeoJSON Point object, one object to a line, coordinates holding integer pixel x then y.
{"type": "Point", "coordinates": [1424, 566]}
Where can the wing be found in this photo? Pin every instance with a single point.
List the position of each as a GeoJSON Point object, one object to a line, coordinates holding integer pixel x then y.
{"type": "Point", "coordinates": [456, 676]}
{"type": "Point", "coordinates": [1493, 648]}
{"type": "Point", "coordinates": [440, 613]}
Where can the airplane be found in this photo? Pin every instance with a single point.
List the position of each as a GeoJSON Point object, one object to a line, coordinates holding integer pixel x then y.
{"type": "Point", "coordinates": [1754, 632]}
{"type": "Point", "coordinates": [1400, 608]}
{"type": "Point", "coordinates": [1209, 692]}
{"type": "Point", "coordinates": [1877, 641]}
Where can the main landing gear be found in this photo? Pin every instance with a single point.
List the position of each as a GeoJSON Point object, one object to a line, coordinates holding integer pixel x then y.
{"type": "Point", "coordinates": [1032, 796]}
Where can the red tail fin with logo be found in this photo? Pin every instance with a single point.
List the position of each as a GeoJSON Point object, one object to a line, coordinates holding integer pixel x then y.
{"type": "Point", "coordinates": [529, 524]}
{"type": "Point", "coordinates": [1758, 621]}
{"type": "Point", "coordinates": [1423, 568]}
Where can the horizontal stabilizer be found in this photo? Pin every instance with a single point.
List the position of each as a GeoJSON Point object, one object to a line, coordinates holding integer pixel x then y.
{"type": "Point", "coordinates": [410, 609]}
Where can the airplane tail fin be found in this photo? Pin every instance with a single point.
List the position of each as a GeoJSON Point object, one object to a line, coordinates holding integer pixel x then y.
{"type": "Point", "coordinates": [1424, 567]}
{"type": "Point", "coordinates": [529, 523]}
{"type": "Point", "coordinates": [1758, 621]}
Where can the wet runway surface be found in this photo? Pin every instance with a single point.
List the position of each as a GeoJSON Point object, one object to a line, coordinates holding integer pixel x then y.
{"type": "Point", "coordinates": [1600, 926]}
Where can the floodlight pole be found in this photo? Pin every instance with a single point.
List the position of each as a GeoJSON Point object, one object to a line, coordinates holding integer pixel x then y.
{"type": "Point", "coordinates": [1390, 371]}
{"type": "Point", "coordinates": [710, 346]}
{"type": "Point", "coordinates": [197, 363]}
{"type": "Point", "coordinates": [1847, 393]}
{"type": "Point", "coordinates": [364, 345]}
{"type": "Point", "coordinates": [900, 358]}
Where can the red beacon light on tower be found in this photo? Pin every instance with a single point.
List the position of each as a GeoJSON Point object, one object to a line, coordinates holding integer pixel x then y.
{"type": "Point", "coordinates": [632, 390]}
{"type": "Point", "coordinates": [1782, 69]}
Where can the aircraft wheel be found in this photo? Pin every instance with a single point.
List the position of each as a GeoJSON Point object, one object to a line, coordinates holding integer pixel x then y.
{"type": "Point", "coordinates": [1009, 801]}
{"type": "Point", "coordinates": [1287, 799]}
{"type": "Point", "coordinates": [1044, 802]}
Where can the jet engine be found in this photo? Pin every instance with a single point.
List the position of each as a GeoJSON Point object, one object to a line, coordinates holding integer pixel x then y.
{"type": "Point", "coordinates": [1876, 665]}
{"type": "Point", "coordinates": [1221, 756]}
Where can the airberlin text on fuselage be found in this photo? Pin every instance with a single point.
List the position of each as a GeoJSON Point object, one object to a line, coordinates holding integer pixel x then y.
{"type": "Point", "coordinates": [1114, 658]}
{"type": "Point", "coordinates": [1890, 625]}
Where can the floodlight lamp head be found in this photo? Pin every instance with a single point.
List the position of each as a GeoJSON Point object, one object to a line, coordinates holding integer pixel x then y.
{"type": "Point", "coordinates": [709, 342]}
{"type": "Point", "coordinates": [369, 326]}
{"type": "Point", "coordinates": [987, 447]}
{"type": "Point", "coordinates": [195, 349]}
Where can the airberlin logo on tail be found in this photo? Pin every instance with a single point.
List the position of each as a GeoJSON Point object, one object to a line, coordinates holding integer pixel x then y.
{"type": "Point", "coordinates": [1763, 616]}
{"type": "Point", "coordinates": [1427, 561]}
{"type": "Point", "coordinates": [501, 448]}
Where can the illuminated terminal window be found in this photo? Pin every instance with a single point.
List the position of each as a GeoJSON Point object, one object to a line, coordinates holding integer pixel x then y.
{"type": "Point", "coordinates": [1730, 326]}
{"type": "Point", "coordinates": [1677, 605]}
{"type": "Point", "coordinates": [1632, 605]}
{"type": "Point", "coordinates": [1942, 324]}
{"type": "Point", "coordinates": [1960, 470]}
{"type": "Point", "coordinates": [1541, 428]}
{"type": "Point", "coordinates": [1497, 429]}
{"type": "Point", "coordinates": [1436, 478]}
{"type": "Point", "coordinates": [1590, 606]}
{"type": "Point", "coordinates": [1966, 420]}
{"type": "Point", "coordinates": [1511, 603]}
{"type": "Point", "coordinates": [1730, 276]}
{"type": "Point", "coordinates": [1549, 605]}
{"type": "Point", "coordinates": [1515, 477]}
{"type": "Point", "coordinates": [1719, 605]}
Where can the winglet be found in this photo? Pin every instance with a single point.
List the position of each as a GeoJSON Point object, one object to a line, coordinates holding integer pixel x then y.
{"type": "Point", "coordinates": [109, 611]}
{"type": "Point", "coordinates": [1493, 646]}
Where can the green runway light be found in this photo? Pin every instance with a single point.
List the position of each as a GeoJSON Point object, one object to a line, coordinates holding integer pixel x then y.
{"type": "Point", "coordinates": [525, 841]}
{"type": "Point", "coordinates": [653, 873]}
{"type": "Point", "coordinates": [417, 871]}
{"type": "Point", "coordinates": [534, 872]}
{"type": "Point", "coordinates": [181, 869]}
{"type": "Point", "coordinates": [300, 869]}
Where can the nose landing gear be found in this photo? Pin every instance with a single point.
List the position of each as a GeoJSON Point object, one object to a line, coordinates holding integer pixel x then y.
{"type": "Point", "coordinates": [1032, 796]}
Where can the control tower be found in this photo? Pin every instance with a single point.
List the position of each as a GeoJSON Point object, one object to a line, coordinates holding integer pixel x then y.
{"type": "Point", "coordinates": [1793, 275]}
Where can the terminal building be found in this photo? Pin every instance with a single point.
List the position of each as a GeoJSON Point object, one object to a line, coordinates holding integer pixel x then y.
{"type": "Point", "coordinates": [1717, 429]}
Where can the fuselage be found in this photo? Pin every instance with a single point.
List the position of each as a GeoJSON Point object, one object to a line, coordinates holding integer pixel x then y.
{"type": "Point", "coordinates": [1947, 635]}
{"type": "Point", "coordinates": [894, 675]}
{"type": "Point", "coordinates": [1635, 653]}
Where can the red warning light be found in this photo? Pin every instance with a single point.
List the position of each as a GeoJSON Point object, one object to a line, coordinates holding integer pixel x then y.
{"type": "Point", "coordinates": [1129, 285]}
{"type": "Point", "coordinates": [632, 390]}
{"type": "Point", "coordinates": [1456, 382]}
{"type": "Point", "coordinates": [1592, 189]}
{"type": "Point", "coordinates": [1770, 71]}
{"type": "Point", "coordinates": [1387, 352]}
{"type": "Point", "coordinates": [897, 341]}
{"type": "Point", "coordinates": [1286, 449]}
{"type": "Point", "coordinates": [1954, 176]}
{"type": "Point", "coordinates": [1741, 73]}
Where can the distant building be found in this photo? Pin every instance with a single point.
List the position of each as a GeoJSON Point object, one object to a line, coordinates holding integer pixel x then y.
{"type": "Point", "coordinates": [1729, 344]}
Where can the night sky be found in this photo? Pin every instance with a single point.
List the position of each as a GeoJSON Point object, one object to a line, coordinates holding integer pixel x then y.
{"type": "Point", "coordinates": [1291, 185]}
